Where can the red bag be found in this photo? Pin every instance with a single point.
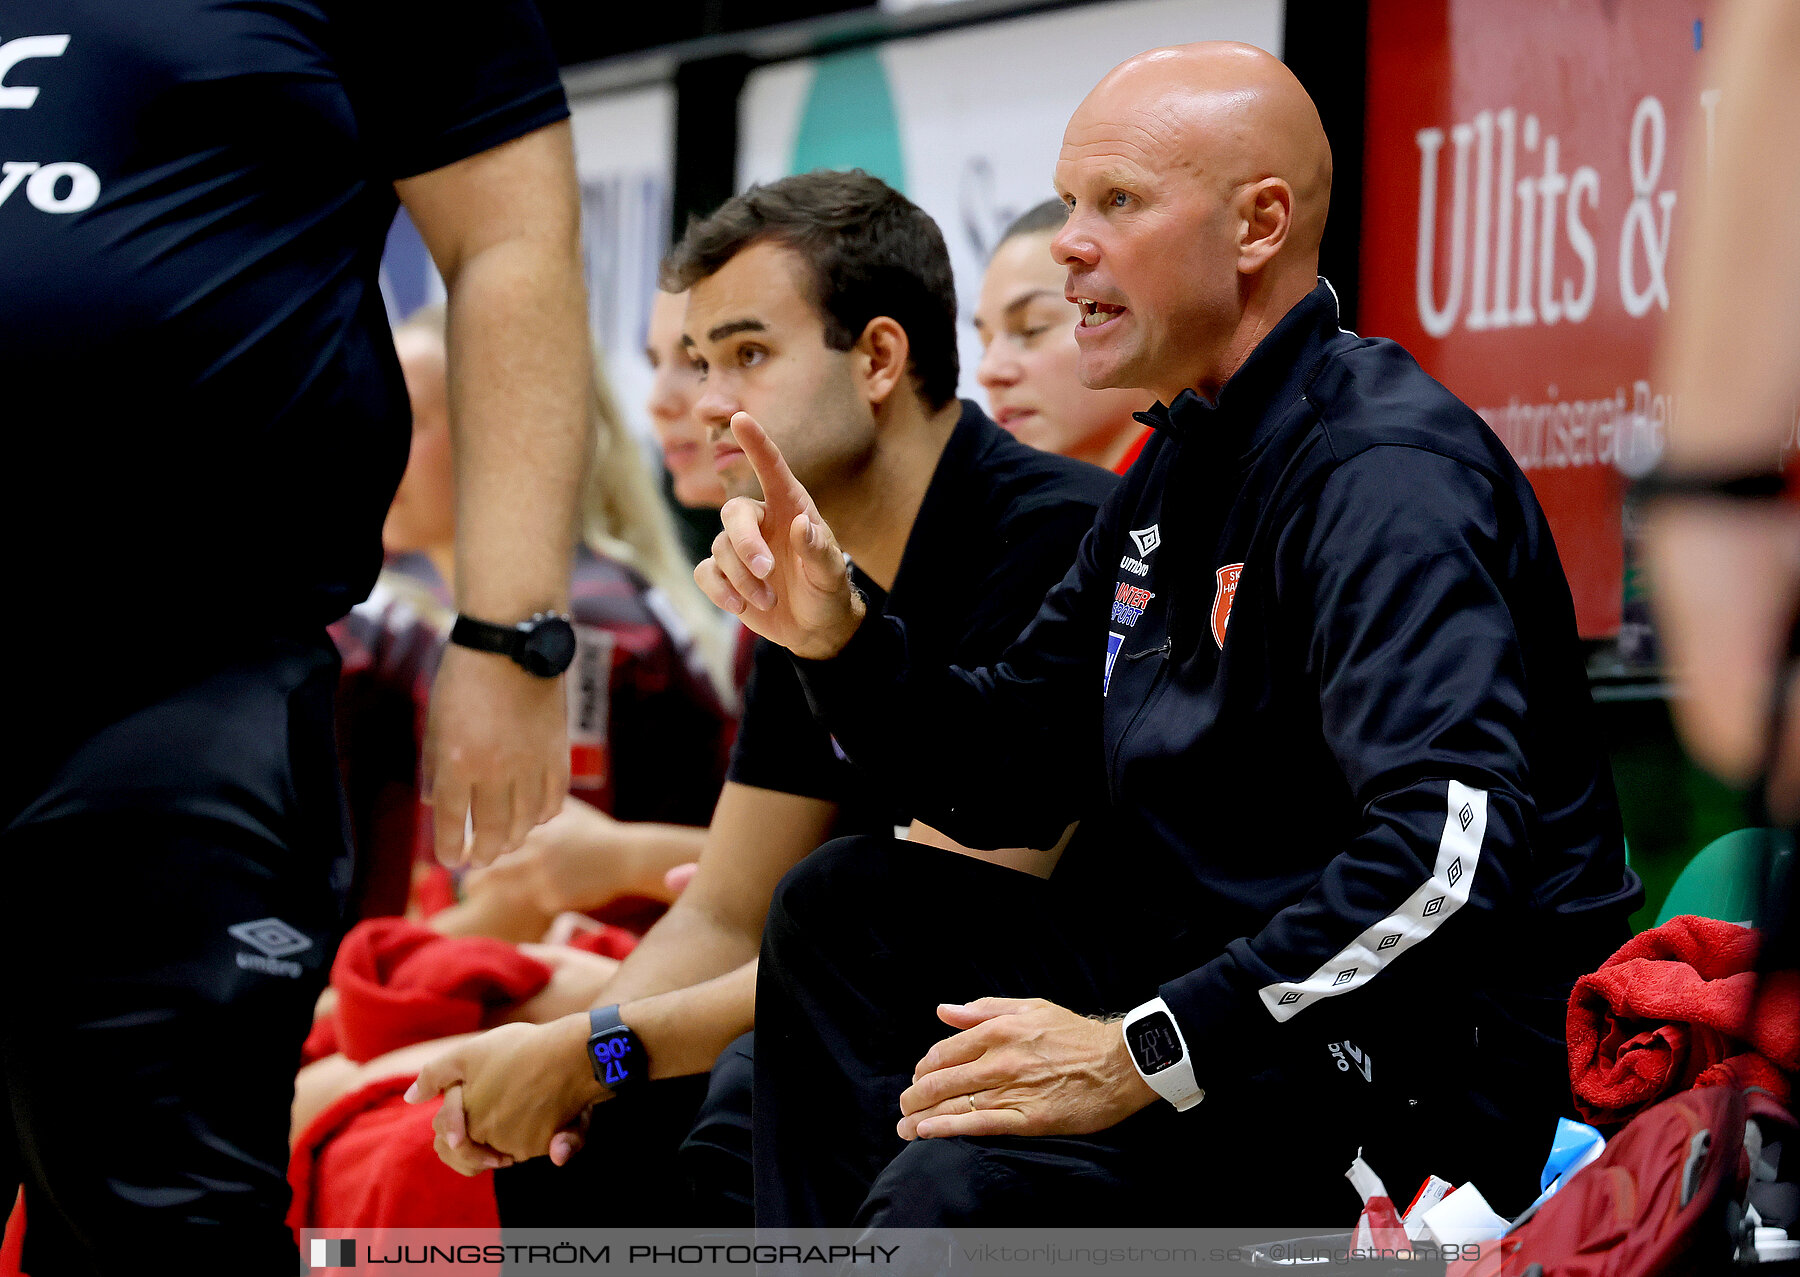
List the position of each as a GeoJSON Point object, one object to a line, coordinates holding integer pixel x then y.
{"type": "Point", "coordinates": [1667, 1196]}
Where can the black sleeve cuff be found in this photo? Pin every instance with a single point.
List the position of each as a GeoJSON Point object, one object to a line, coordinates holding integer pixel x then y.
{"type": "Point", "coordinates": [1211, 1011]}
{"type": "Point", "coordinates": [860, 677]}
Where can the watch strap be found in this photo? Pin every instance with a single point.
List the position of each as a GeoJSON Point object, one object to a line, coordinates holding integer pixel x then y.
{"type": "Point", "coordinates": [543, 646]}
{"type": "Point", "coordinates": [485, 636]}
{"type": "Point", "coordinates": [1177, 1083]}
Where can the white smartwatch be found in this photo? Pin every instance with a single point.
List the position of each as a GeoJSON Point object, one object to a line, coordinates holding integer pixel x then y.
{"type": "Point", "coordinates": [1161, 1056]}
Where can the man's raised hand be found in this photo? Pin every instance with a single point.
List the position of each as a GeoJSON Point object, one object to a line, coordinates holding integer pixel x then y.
{"type": "Point", "coordinates": [776, 565]}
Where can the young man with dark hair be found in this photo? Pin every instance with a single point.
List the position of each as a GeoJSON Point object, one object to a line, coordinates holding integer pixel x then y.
{"type": "Point", "coordinates": [824, 303]}
{"type": "Point", "coordinates": [864, 250]}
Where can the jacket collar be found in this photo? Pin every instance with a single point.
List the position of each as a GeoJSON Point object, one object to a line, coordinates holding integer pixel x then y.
{"type": "Point", "coordinates": [1274, 376]}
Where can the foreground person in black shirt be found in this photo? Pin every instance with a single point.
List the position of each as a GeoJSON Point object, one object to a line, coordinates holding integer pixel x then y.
{"type": "Point", "coordinates": [826, 302]}
{"type": "Point", "coordinates": [206, 422]}
{"type": "Point", "coordinates": [1313, 688]}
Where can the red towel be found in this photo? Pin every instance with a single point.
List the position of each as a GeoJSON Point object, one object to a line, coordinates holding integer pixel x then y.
{"type": "Point", "coordinates": [367, 1162]}
{"type": "Point", "coordinates": [399, 983]}
{"type": "Point", "coordinates": [1678, 1007]}
{"type": "Point", "coordinates": [605, 940]}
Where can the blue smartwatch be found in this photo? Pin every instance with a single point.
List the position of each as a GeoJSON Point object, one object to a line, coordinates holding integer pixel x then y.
{"type": "Point", "coordinates": [618, 1058]}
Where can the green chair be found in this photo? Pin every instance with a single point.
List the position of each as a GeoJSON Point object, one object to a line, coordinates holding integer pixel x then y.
{"type": "Point", "coordinates": [1724, 880]}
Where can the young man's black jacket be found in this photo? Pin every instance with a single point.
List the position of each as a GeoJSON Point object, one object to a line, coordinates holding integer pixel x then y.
{"type": "Point", "coordinates": [1315, 685]}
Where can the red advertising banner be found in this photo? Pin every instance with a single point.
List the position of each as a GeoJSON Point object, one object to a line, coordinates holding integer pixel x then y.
{"type": "Point", "coordinates": [1521, 167]}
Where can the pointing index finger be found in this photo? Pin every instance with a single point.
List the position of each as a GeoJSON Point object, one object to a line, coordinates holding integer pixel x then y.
{"type": "Point", "coordinates": [780, 487]}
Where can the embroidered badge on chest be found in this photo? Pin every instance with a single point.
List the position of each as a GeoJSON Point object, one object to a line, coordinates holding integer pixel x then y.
{"type": "Point", "coordinates": [1129, 602]}
{"type": "Point", "coordinates": [1146, 540]}
{"type": "Point", "coordinates": [1221, 610]}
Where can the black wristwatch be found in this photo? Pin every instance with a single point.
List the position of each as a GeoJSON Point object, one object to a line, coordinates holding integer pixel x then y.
{"type": "Point", "coordinates": [543, 646]}
{"type": "Point", "coordinates": [617, 1056]}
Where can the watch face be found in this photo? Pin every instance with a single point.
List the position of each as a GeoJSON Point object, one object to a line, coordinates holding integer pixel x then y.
{"type": "Point", "coordinates": [549, 648]}
{"type": "Point", "coordinates": [1153, 1042]}
{"type": "Point", "coordinates": [617, 1060]}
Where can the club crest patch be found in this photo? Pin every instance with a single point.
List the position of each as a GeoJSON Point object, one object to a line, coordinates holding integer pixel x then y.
{"type": "Point", "coordinates": [1221, 610]}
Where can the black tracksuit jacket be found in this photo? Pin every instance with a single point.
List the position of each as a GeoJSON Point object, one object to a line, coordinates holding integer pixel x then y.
{"type": "Point", "coordinates": [1314, 686]}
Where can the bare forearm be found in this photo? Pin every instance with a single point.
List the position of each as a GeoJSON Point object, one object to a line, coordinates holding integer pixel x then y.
{"type": "Point", "coordinates": [1733, 344]}
{"type": "Point", "coordinates": [520, 391]}
{"type": "Point", "coordinates": [683, 1031]}
{"type": "Point", "coordinates": [648, 851]}
{"type": "Point", "coordinates": [503, 228]}
{"type": "Point", "coordinates": [496, 916]}
{"type": "Point", "coordinates": [716, 926]}
{"type": "Point", "coordinates": [685, 947]}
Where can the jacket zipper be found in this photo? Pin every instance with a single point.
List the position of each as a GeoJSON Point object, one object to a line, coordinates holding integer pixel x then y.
{"type": "Point", "coordinates": [1155, 689]}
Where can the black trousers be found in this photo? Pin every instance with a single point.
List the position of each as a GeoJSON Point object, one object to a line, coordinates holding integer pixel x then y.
{"type": "Point", "coordinates": [674, 1154]}
{"type": "Point", "coordinates": [173, 883]}
{"type": "Point", "coordinates": [866, 937]}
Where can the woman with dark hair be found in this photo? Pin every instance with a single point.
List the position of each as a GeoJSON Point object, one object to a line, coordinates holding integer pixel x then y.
{"type": "Point", "coordinates": [1027, 331]}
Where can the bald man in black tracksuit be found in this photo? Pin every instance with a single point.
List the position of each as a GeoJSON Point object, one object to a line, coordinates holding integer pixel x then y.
{"type": "Point", "coordinates": [1312, 692]}
{"type": "Point", "coordinates": [1342, 715]}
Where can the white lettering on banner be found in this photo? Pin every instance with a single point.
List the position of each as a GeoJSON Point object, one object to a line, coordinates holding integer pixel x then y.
{"type": "Point", "coordinates": [1584, 188]}
{"type": "Point", "coordinates": [1502, 294]}
{"type": "Point", "coordinates": [1503, 244]}
{"type": "Point", "coordinates": [1623, 429]}
{"type": "Point", "coordinates": [43, 183]}
{"type": "Point", "coordinates": [1439, 320]}
{"type": "Point", "coordinates": [1649, 137]}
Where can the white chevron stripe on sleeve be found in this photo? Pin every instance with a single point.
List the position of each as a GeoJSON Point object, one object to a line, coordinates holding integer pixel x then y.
{"type": "Point", "coordinates": [1421, 914]}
